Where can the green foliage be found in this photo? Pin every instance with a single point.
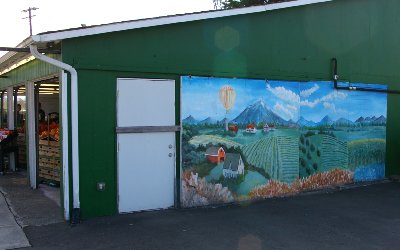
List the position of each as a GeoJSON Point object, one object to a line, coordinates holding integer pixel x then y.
{"type": "Point", "coordinates": [203, 169]}
{"type": "Point", "coordinates": [304, 150]}
{"type": "Point", "coordinates": [312, 147]}
{"type": "Point", "coordinates": [308, 155]}
{"type": "Point", "coordinates": [315, 166]}
{"type": "Point", "coordinates": [308, 142]}
{"type": "Point", "coordinates": [231, 183]}
{"type": "Point", "coordinates": [258, 170]}
{"type": "Point", "coordinates": [201, 148]}
{"type": "Point", "coordinates": [302, 139]}
{"type": "Point", "coordinates": [231, 4]}
{"type": "Point", "coordinates": [326, 132]}
{"type": "Point", "coordinates": [309, 133]}
{"type": "Point", "coordinates": [302, 162]}
{"type": "Point", "coordinates": [260, 125]}
{"type": "Point", "coordinates": [318, 153]}
{"type": "Point", "coordinates": [365, 152]}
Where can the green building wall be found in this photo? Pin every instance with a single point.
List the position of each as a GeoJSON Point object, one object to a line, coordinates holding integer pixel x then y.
{"type": "Point", "coordinates": [289, 44]}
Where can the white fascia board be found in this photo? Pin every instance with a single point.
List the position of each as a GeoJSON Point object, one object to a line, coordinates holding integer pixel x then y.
{"type": "Point", "coordinates": [107, 28]}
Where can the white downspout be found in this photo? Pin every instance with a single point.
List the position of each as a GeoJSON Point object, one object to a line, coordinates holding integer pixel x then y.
{"type": "Point", "coordinates": [74, 121]}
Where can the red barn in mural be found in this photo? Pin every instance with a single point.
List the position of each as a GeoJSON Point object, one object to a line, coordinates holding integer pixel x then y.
{"type": "Point", "coordinates": [215, 154]}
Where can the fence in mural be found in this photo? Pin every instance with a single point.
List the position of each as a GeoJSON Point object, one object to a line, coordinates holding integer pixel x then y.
{"type": "Point", "coordinates": [246, 139]}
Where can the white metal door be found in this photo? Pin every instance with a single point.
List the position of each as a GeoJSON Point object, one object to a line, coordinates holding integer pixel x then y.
{"type": "Point", "coordinates": [146, 144]}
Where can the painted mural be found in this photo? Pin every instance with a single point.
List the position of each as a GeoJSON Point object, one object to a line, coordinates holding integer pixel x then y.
{"type": "Point", "coordinates": [248, 139]}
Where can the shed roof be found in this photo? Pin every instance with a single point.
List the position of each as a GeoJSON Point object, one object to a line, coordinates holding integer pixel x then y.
{"type": "Point", "coordinates": [9, 60]}
{"type": "Point", "coordinates": [213, 150]}
{"type": "Point", "coordinates": [151, 22]}
{"type": "Point", "coordinates": [232, 161]}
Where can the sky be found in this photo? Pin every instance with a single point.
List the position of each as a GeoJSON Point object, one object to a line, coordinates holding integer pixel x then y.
{"type": "Point", "coordinates": [55, 15]}
{"type": "Point", "coordinates": [288, 99]}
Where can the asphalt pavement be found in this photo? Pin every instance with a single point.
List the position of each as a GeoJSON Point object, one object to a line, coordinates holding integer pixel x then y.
{"type": "Point", "coordinates": [366, 217]}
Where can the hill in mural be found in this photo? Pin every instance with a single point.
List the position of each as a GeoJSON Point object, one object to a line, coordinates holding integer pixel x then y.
{"type": "Point", "coordinates": [302, 122]}
{"type": "Point", "coordinates": [343, 122]}
{"type": "Point", "coordinates": [326, 121]}
{"type": "Point", "coordinates": [190, 120]}
{"type": "Point", "coordinates": [278, 156]}
{"type": "Point", "coordinates": [208, 120]}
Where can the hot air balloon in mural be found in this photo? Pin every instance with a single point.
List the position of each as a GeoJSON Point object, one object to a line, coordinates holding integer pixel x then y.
{"type": "Point", "coordinates": [227, 96]}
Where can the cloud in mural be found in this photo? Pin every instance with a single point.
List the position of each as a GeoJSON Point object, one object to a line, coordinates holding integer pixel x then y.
{"type": "Point", "coordinates": [306, 93]}
{"type": "Point", "coordinates": [293, 98]}
{"type": "Point", "coordinates": [332, 107]}
{"type": "Point", "coordinates": [333, 95]}
{"type": "Point", "coordinates": [284, 94]}
{"type": "Point", "coordinates": [289, 110]}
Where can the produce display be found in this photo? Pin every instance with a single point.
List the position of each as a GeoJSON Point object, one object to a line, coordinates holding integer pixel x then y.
{"type": "Point", "coordinates": [49, 131]}
{"type": "Point", "coordinates": [4, 132]}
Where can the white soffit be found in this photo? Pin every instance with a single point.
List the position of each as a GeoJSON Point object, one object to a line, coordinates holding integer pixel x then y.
{"type": "Point", "coordinates": [136, 24]}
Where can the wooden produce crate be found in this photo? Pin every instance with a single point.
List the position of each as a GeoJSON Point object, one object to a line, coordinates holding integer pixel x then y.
{"type": "Point", "coordinates": [21, 142]}
{"type": "Point", "coordinates": [49, 160]}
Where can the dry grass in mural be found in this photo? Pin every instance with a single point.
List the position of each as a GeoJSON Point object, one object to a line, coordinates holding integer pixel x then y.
{"type": "Point", "coordinates": [272, 189]}
{"type": "Point", "coordinates": [320, 180]}
{"type": "Point", "coordinates": [198, 192]}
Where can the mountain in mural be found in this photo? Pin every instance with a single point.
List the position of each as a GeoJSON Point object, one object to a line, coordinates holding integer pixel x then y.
{"type": "Point", "coordinates": [381, 120]}
{"type": "Point", "coordinates": [326, 121]}
{"type": "Point", "coordinates": [189, 120]}
{"type": "Point", "coordinates": [343, 122]}
{"type": "Point", "coordinates": [208, 120]}
{"type": "Point", "coordinates": [302, 122]}
{"type": "Point", "coordinates": [258, 112]}
{"type": "Point", "coordinates": [223, 121]}
{"type": "Point", "coordinates": [360, 119]}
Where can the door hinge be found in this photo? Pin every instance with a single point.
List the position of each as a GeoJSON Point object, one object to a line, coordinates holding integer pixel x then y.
{"type": "Point", "coordinates": [118, 147]}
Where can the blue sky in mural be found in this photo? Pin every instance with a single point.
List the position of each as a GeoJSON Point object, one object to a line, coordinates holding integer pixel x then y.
{"type": "Point", "coordinates": [324, 100]}
{"type": "Point", "coordinates": [285, 98]}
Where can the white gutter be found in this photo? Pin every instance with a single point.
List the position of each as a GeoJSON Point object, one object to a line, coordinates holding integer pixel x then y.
{"type": "Point", "coordinates": [74, 121]}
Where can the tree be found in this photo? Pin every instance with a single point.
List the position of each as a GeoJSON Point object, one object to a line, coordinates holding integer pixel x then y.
{"type": "Point", "coordinates": [231, 4]}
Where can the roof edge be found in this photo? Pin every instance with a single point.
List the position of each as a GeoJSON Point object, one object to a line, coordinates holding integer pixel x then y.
{"type": "Point", "coordinates": [136, 24]}
{"type": "Point", "coordinates": [25, 43]}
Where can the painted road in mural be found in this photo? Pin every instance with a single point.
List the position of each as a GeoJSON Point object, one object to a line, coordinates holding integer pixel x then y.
{"type": "Point", "coordinates": [246, 139]}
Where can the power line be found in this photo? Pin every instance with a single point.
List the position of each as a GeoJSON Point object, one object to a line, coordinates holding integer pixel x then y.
{"type": "Point", "coordinates": [30, 16]}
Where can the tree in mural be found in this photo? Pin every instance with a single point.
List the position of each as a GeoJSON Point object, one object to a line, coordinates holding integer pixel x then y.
{"type": "Point", "coordinates": [231, 4]}
{"type": "Point", "coordinates": [227, 96]}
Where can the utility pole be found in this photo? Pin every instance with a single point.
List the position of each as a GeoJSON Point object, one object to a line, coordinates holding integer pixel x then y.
{"type": "Point", "coordinates": [30, 16]}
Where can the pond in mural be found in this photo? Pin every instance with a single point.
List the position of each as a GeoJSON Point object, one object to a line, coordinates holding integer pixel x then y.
{"type": "Point", "coordinates": [246, 139]}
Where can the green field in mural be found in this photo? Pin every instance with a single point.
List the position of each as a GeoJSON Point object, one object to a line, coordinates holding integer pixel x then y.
{"type": "Point", "coordinates": [247, 139]}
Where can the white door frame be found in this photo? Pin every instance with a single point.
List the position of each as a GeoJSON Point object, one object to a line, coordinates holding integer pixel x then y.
{"type": "Point", "coordinates": [165, 129]}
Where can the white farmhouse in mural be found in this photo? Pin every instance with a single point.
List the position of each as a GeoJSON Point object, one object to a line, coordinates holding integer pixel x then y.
{"type": "Point", "coordinates": [233, 165]}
